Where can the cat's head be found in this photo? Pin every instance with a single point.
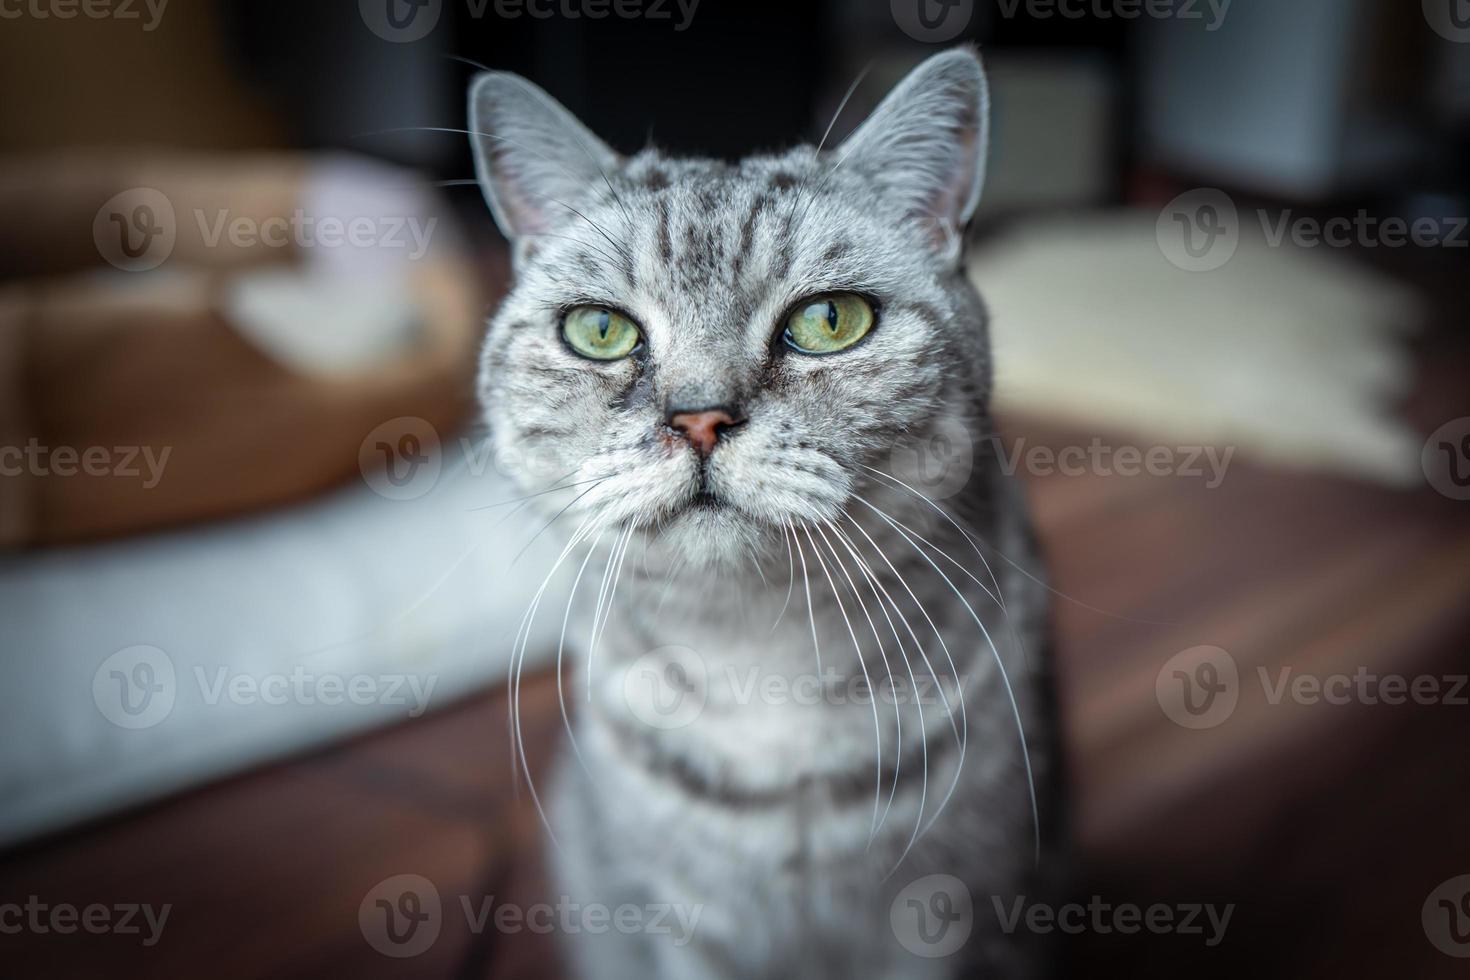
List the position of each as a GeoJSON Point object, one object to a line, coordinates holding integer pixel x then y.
{"type": "Point", "coordinates": [723, 348]}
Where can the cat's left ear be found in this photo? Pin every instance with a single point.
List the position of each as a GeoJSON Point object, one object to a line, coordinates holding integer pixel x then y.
{"type": "Point", "coordinates": [533, 158]}
{"type": "Point", "coordinates": [925, 145]}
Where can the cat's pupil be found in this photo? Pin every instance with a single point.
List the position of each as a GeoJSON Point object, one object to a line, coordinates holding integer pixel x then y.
{"type": "Point", "coordinates": [832, 316]}
{"type": "Point", "coordinates": [603, 322]}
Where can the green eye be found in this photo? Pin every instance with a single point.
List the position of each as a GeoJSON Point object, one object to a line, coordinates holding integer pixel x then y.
{"type": "Point", "coordinates": [600, 334]}
{"type": "Point", "coordinates": [825, 324]}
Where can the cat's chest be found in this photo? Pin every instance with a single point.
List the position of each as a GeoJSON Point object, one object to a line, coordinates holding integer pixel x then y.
{"type": "Point", "coordinates": [764, 701]}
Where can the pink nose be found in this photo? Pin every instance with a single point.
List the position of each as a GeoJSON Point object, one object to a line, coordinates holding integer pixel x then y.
{"type": "Point", "coordinates": [703, 428]}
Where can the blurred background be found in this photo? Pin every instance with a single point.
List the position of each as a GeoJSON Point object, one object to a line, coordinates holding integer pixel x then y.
{"type": "Point", "coordinates": [256, 600]}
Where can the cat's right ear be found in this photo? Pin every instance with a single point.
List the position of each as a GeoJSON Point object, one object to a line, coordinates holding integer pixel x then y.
{"type": "Point", "coordinates": [925, 145]}
{"type": "Point", "coordinates": [533, 158]}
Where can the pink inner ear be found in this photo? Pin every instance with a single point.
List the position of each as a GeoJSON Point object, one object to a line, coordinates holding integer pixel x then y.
{"type": "Point", "coordinates": [948, 205]}
{"type": "Point", "coordinates": [526, 211]}
{"type": "Point", "coordinates": [532, 153]}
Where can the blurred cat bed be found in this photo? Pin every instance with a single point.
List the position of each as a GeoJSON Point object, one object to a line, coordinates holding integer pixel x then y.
{"type": "Point", "coordinates": [279, 310]}
{"type": "Point", "coordinates": [270, 634]}
{"type": "Point", "coordinates": [1292, 356]}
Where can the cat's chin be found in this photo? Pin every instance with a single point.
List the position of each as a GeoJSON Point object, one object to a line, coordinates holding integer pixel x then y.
{"type": "Point", "coordinates": [706, 512]}
{"type": "Point", "coordinates": [708, 530]}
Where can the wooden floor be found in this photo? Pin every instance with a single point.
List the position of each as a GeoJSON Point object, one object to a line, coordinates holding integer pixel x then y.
{"type": "Point", "coordinates": [1327, 826]}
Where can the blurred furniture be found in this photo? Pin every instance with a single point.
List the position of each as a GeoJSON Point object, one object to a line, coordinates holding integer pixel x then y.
{"type": "Point", "coordinates": [1303, 100]}
{"type": "Point", "coordinates": [243, 356]}
{"type": "Point", "coordinates": [237, 354]}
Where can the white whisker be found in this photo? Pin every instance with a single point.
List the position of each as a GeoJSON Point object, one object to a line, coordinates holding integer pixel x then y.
{"type": "Point", "coordinates": [561, 645]}
{"type": "Point", "coordinates": [790, 578]}
{"type": "Point", "coordinates": [605, 599]}
{"type": "Point", "coordinates": [806, 584]}
{"type": "Point", "coordinates": [897, 713]}
{"type": "Point", "coordinates": [517, 665]}
{"type": "Point", "coordinates": [1005, 678]}
{"type": "Point", "coordinates": [963, 532]}
{"type": "Point", "coordinates": [877, 588]}
{"type": "Point", "coordinates": [857, 649]}
{"type": "Point", "coordinates": [961, 727]}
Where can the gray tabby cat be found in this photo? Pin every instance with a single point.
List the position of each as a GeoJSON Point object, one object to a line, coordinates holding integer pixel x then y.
{"type": "Point", "coordinates": [801, 692]}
